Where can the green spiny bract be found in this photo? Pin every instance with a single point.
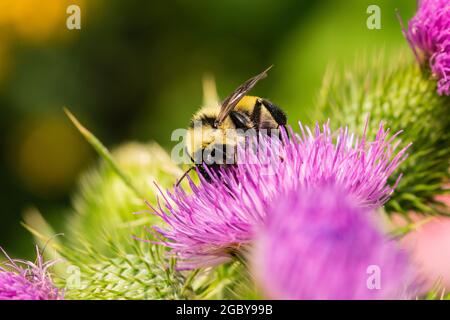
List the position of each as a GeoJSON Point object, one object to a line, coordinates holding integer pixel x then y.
{"type": "Point", "coordinates": [104, 204]}
{"type": "Point", "coordinates": [102, 259]}
{"type": "Point", "coordinates": [404, 97]}
{"type": "Point", "coordinates": [229, 281]}
{"type": "Point", "coordinates": [139, 275]}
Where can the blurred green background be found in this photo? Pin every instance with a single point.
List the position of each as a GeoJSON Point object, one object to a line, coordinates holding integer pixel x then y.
{"type": "Point", "coordinates": [133, 72]}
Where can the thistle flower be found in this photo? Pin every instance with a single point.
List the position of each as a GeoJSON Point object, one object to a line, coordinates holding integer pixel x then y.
{"type": "Point", "coordinates": [429, 37]}
{"type": "Point", "coordinates": [320, 244]}
{"type": "Point", "coordinates": [25, 280]}
{"type": "Point", "coordinates": [211, 224]}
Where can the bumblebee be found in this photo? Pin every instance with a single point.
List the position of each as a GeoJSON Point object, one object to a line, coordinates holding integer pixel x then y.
{"type": "Point", "coordinates": [215, 130]}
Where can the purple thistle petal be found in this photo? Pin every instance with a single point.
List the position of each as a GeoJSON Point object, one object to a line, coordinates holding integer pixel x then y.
{"type": "Point", "coordinates": [320, 244]}
{"type": "Point", "coordinates": [207, 226]}
{"type": "Point", "coordinates": [25, 280]}
{"type": "Point", "coordinates": [429, 35]}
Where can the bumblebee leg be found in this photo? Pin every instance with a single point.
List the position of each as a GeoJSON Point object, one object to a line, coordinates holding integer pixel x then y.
{"type": "Point", "coordinates": [278, 115]}
{"type": "Point", "coordinates": [240, 120]}
{"type": "Point", "coordinates": [256, 114]}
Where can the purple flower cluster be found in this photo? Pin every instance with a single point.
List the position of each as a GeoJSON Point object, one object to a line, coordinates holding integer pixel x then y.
{"type": "Point", "coordinates": [208, 225]}
{"type": "Point", "coordinates": [25, 280]}
{"type": "Point", "coordinates": [429, 36]}
{"type": "Point", "coordinates": [320, 244]}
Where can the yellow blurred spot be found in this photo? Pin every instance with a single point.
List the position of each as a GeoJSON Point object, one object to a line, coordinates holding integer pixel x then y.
{"type": "Point", "coordinates": [35, 20]}
{"type": "Point", "coordinates": [47, 155]}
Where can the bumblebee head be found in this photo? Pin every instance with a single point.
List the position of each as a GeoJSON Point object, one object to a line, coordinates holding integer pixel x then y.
{"type": "Point", "coordinates": [207, 140]}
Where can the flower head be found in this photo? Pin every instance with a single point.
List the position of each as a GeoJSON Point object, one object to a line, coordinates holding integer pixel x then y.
{"type": "Point", "coordinates": [319, 244]}
{"type": "Point", "coordinates": [429, 36]}
{"type": "Point", "coordinates": [210, 224]}
{"type": "Point", "coordinates": [25, 280]}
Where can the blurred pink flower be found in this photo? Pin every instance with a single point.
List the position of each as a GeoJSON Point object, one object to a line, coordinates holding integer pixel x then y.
{"type": "Point", "coordinates": [429, 246]}
{"type": "Point", "coordinates": [320, 244]}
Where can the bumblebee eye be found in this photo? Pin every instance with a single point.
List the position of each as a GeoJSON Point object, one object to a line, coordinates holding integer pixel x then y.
{"type": "Point", "coordinates": [240, 120]}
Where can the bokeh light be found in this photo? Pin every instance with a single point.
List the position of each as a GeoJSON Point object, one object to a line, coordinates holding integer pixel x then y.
{"type": "Point", "coordinates": [35, 22]}
{"type": "Point", "coordinates": [47, 155]}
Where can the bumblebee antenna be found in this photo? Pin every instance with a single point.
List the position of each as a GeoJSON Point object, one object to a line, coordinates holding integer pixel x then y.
{"type": "Point", "coordinates": [184, 175]}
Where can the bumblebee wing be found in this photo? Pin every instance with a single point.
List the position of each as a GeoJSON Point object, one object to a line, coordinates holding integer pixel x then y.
{"type": "Point", "coordinates": [233, 99]}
